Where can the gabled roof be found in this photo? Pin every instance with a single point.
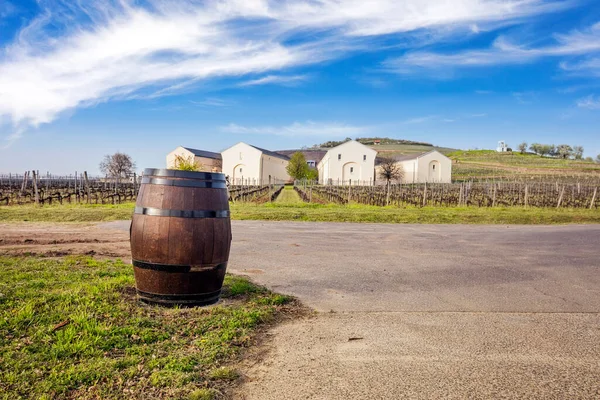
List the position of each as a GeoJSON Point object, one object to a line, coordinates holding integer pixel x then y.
{"type": "Point", "coordinates": [271, 153]}
{"type": "Point", "coordinates": [408, 157]}
{"type": "Point", "coordinates": [314, 155]}
{"type": "Point", "coordinates": [350, 141]}
{"type": "Point", "coordinates": [204, 153]}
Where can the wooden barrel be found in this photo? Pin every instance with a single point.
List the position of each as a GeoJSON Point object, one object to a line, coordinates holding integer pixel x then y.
{"type": "Point", "coordinates": [180, 237]}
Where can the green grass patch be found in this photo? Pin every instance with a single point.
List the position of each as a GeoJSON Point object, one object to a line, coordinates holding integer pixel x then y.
{"type": "Point", "coordinates": [300, 211]}
{"type": "Point", "coordinates": [67, 212]}
{"type": "Point", "coordinates": [288, 196]}
{"type": "Point", "coordinates": [73, 328]}
{"type": "Point", "coordinates": [416, 215]}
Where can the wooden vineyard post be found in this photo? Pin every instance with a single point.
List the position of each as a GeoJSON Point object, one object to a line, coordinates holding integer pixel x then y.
{"type": "Point", "coordinates": [310, 195]}
{"type": "Point", "coordinates": [387, 194]}
{"type": "Point", "coordinates": [24, 184]}
{"type": "Point", "coordinates": [562, 192]}
{"type": "Point", "coordinates": [425, 195]}
{"type": "Point", "coordinates": [87, 187]}
{"type": "Point", "coordinates": [349, 191]}
{"type": "Point", "coordinates": [526, 195]}
{"type": "Point", "coordinates": [593, 198]}
{"type": "Point", "coordinates": [494, 197]}
{"type": "Point", "coordinates": [35, 189]}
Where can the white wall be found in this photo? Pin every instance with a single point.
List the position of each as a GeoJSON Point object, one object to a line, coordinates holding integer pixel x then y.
{"type": "Point", "coordinates": [349, 162]}
{"type": "Point", "coordinates": [206, 164]}
{"type": "Point", "coordinates": [419, 170]}
{"type": "Point", "coordinates": [442, 172]}
{"type": "Point", "coordinates": [247, 165]}
{"type": "Point", "coordinates": [242, 161]}
{"type": "Point", "coordinates": [274, 167]}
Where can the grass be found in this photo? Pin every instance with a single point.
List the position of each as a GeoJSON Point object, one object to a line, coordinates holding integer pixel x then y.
{"type": "Point", "coordinates": [424, 215]}
{"type": "Point", "coordinates": [288, 196]}
{"type": "Point", "coordinates": [489, 163]}
{"type": "Point", "coordinates": [67, 212]}
{"type": "Point", "coordinates": [300, 211]}
{"type": "Point", "coordinates": [73, 328]}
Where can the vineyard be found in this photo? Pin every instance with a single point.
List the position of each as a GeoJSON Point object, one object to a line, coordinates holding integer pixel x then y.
{"type": "Point", "coordinates": [254, 193]}
{"type": "Point", "coordinates": [30, 188]}
{"type": "Point", "coordinates": [478, 194]}
{"type": "Point", "coordinates": [33, 188]}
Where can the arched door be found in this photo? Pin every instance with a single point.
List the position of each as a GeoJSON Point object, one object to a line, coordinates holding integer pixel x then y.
{"type": "Point", "coordinates": [434, 171]}
{"type": "Point", "coordinates": [351, 172]}
{"type": "Point", "coordinates": [238, 174]}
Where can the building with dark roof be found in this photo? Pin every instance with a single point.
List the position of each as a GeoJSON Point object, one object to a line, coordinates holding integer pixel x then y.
{"type": "Point", "coordinates": [206, 161]}
{"type": "Point", "coordinates": [251, 165]}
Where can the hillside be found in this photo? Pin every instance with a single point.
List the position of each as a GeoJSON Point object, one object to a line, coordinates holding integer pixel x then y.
{"type": "Point", "coordinates": [489, 164]}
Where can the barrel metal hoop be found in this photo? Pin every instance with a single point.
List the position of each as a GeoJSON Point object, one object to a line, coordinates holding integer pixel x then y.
{"type": "Point", "coordinates": [202, 298]}
{"type": "Point", "coordinates": [182, 183]}
{"type": "Point", "coordinates": [162, 212]}
{"type": "Point", "coordinates": [184, 174]}
{"type": "Point", "coordinates": [177, 268]}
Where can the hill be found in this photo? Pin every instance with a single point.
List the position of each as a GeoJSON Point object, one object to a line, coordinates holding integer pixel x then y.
{"type": "Point", "coordinates": [372, 141]}
{"type": "Point", "coordinates": [489, 164]}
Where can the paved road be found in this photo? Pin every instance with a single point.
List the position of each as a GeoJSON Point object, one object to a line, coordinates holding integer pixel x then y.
{"type": "Point", "coordinates": [385, 267]}
{"type": "Point", "coordinates": [426, 311]}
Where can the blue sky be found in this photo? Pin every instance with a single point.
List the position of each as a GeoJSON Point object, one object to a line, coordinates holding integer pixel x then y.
{"type": "Point", "coordinates": [81, 79]}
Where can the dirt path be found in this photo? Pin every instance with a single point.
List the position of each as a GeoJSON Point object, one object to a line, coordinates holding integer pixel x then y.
{"type": "Point", "coordinates": [51, 239]}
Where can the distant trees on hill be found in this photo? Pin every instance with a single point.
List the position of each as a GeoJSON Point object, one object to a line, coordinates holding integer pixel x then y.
{"type": "Point", "coordinates": [563, 151]}
{"type": "Point", "coordinates": [371, 141]}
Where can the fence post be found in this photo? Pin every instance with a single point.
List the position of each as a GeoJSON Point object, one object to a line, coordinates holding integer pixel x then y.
{"type": "Point", "coordinates": [425, 195]}
{"type": "Point", "coordinates": [561, 197]}
{"type": "Point", "coordinates": [35, 189]}
{"type": "Point", "coordinates": [526, 195]}
{"type": "Point", "coordinates": [593, 198]}
{"type": "Point", "coordinates": [87, 187]}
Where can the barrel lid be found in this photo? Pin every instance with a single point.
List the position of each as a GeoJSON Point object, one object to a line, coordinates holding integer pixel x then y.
{"type": "Point", "coordinates": [213, 176]}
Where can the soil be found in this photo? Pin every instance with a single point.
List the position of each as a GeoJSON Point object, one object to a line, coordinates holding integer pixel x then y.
{"type": "Point", "coordinates": [57, 240]}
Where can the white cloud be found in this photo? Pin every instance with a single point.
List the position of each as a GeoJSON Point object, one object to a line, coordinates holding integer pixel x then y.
{"type": "Point", "coordinates": [419, 120]}
{"type": "Point", "coordinates": [588, 67]}
{"type": "Point", "coordinates": [525, 97]}
{"type": "Point", "coordinates": [212, 102]}
{"type": "Point", "coordinates": [275, 79]}
{"type": "Point", "coordinates": [308, 128]}
{"type": "Point", "coordinates": [504, 52]}
{"type": "Point", "coordinates": [77, 54]}
{"type": "Point", "coordinates": [590, 102]}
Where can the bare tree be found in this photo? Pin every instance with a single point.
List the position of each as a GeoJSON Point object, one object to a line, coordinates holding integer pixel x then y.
{"type": "Point", "coordinates": [523, 147]}
{"type": "Point", "coordinates": [118, 165]}
{"type": "Point", "coordinates": [578, 152]}
{"type": "Point", "coordinates": [390, 170]}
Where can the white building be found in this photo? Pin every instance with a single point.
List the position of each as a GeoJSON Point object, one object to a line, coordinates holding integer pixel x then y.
{"type": "Point", "coordinates": [431, 167]}
{"type": "Point", "coordinates": [206, 161]}
{"type": "Point", "coordinates": [349, 163]}
{"type": "Point", "coordinates": [250, 165]}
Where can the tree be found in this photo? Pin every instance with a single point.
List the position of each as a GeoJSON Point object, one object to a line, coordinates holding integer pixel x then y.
{"type": "Point", "coordinates": [598, 158]}
{"type": "Point", "coordinates": [589, 159]}
{"type": "Point", "coordinates": [523, 147]}
{"type": "Point", "coordinates": [535, 147]}
{"type": "Point", "coordinates": [297, 167]}
{"type": "Point", "coordinates": [118, 165]}
{"type": "Point", "coordinates": [313, 174]}
{"type": "Point", "coordinates": [390, 170]}
{"type": "Point", "coordinates": [186, 163]}
{"type": "Point", "coordinates": [564, 151]}
{"type": "Point", "coordinates": [578, 152]}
